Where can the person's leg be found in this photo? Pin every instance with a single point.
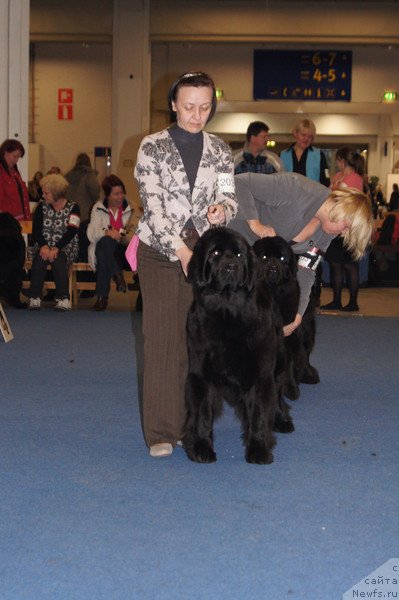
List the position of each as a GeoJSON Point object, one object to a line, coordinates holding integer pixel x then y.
{"type": "Point", "coordinates": [106, 265]}
{"type": "Point", "coordinates": [166, 298]}
{"type": "Point", "coordinates": [337, 277]}
{"type": "Point", "coordinates": [60, 273]}
{"type": "Point", "coordinates": [352, 277]}
{"type": "Point", "coordinates": [37, 276]}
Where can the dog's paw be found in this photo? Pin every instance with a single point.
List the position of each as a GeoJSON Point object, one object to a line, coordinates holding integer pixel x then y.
{"type": "Point", "coordinates": [310, 376]}
{"type": "Point", "coordinates": [201, 452]}
{"type": "Point", "coordinates": [291, 391]}
{"type": "Point", "coordinates": [283, 426]}
{"type": "Point", "coordinates": [258, 454]}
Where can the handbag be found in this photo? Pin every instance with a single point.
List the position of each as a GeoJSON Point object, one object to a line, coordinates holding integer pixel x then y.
{"type": "Point", "coordinates": [131, 252]}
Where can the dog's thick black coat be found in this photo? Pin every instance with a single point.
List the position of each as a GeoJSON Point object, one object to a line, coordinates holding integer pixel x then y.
{"type": "Point", "coordinates": [232, 345]}
{"type": "Point", "coordinates": [12, 258]}
{"type": "Point", "coordinates": [279, 270]}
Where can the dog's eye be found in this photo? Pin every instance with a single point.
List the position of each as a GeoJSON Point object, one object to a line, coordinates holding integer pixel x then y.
{"type": "Point", "coordinates": [215, 252]}
{"type": "Point", "coordinates": [239, 254]}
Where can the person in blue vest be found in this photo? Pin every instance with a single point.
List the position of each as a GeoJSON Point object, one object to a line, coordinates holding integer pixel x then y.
{"type": "Point", "coordinates": [304, 158]}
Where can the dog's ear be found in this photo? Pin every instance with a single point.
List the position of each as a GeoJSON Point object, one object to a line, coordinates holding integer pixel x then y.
{"type": "Point", "coordinates": [199, 272]}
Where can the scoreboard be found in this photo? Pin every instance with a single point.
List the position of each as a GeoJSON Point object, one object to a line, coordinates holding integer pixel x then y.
{"type": "Point", "coordinates": [302, 75]}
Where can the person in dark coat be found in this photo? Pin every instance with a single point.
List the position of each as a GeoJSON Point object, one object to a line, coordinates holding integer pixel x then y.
{"type": "Point", "coordinates": [12, 259]}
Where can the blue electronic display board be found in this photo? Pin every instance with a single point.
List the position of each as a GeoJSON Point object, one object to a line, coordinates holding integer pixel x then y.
{"type": "Point", "coordinates": [302, 75]}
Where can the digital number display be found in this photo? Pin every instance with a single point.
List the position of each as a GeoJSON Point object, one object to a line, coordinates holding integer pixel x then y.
{"type": "Point", "coordinates": [302, 75]}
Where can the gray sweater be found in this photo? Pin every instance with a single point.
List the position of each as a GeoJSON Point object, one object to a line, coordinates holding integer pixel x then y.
{"type": "Point", "coordinates": [286, 202]}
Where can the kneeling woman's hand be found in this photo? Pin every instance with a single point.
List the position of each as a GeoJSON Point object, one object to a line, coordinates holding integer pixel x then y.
{"type": "Point", "coordinates": [288, 329]}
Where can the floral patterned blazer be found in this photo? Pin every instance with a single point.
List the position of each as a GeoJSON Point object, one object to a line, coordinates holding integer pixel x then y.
{"type": "Point", "coordinates": [165, 192]}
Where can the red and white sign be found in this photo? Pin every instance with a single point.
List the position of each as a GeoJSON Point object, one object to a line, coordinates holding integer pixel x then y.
{"type": "Point", "coordinates": [65, 96]}
{"type": "Point", "coordinates": [65, 106]}
{"type": "Point", "coordinates": [65, 112]}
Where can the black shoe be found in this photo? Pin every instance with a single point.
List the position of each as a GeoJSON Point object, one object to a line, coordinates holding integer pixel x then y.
{"type": "Point", "coordinates": [351, 307]}
{"type": "Point", "coordinates": [120, 282]}
{"type": "Point", "coordinates": [331, 306]}
{"type": "Point", "coordinates": [101, 304]}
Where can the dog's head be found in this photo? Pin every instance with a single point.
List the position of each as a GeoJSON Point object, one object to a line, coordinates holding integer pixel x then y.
{"type": "Point", "coordinates": [276, 260]}
{"type": "Point", "coordinates": [222, 260]}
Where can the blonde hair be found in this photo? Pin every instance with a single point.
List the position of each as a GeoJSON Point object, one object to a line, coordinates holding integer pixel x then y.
{"type": "Point", "coordinates": [56, 184]}
{"type": "Point", "coordinates": [305, 124]}
{"type": "Point", "coordinates": [354, 207]}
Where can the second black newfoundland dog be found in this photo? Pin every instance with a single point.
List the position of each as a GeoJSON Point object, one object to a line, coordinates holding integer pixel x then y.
{"type": "Point", "coordinates": [279, 270]}
{"type": "Point", "coordinates": [233, 343]}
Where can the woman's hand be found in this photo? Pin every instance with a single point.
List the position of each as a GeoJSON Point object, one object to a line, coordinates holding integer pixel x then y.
{"type": "Point", "coordinates": [261, 230]}
{"type": "Point", "coordinates": [114, 234]}
{"type": "Point", "coordinates": [44, 252]}
{"type": "Point", "coordinates": [184, 254]}
{"type": "Point", "coordinates": [53, 253]}
{"type": "Point", "coordinates": [288, 329]}
{"type": "Point", "coordinates": [216, 214]}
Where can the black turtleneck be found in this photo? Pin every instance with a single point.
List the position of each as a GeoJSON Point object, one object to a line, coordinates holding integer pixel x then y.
{"type": "Point", "coordinates": [190, 146]}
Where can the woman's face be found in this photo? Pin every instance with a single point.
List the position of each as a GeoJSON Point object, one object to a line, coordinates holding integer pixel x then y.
{"type": "Point", "coordinates": [47, 195]}
{"type": "Point", "coordinates": [303, 138]}
{"type": "Point", "coordinates": [193, 106]}
{"type": "Point", "coordinates": [115, 197]}
{"type": "Point", "coordinates": [335, 228]}
{"type": "Point", "coordinates": [340, 164]}
{"type": "Point", "coordinates": [12, 158]}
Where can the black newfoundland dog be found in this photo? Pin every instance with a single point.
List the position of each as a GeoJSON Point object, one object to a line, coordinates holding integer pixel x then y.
{"type": "Point", "coordinates": [232, 345]}
{"type": "Point", "coordinates": [279, 270]}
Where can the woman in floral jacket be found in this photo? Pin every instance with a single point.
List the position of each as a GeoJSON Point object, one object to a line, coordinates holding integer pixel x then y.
{"type": "Point", "coordinates": [186, 183]}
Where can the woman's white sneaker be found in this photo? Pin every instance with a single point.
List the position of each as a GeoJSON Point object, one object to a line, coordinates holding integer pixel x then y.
{"type": "Point", "coordinates": [63, 304]}
{"type": "Point", "coordinates": [35, 303]}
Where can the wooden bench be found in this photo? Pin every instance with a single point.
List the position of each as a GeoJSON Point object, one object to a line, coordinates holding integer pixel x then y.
{"type": "Point", "coordinates": [74, 286]}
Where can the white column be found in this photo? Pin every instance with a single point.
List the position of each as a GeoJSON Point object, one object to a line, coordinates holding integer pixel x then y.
{"type": "Point", "coordinates": [14, 74]}
{"type": "Point", "coordinates": [130, 87]}
{"type": "Point", "coordinates": [4, 20]}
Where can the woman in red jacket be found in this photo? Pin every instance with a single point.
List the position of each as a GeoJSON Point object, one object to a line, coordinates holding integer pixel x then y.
{"type": "Point", "coordinates": [14, 197]}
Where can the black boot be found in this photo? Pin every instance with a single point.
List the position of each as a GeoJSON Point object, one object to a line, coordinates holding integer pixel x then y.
{"type": "Point", "coordinates": [101, 304]}
{"type": "Point", "coordinates": [120, 282]}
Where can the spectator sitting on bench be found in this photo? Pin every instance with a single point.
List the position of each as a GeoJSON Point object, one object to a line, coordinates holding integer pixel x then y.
{"type": "Point", "coordinates": [55, 237]}
{"type": "Point", "coordinates": [109, 231]}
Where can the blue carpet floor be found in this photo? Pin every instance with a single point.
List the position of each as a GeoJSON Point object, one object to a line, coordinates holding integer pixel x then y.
{"type": "Point", "coordinates": [86, 514]}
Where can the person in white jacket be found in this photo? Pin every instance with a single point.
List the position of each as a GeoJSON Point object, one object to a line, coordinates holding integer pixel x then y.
{"type": "Point", "coordinates": [109, 233]}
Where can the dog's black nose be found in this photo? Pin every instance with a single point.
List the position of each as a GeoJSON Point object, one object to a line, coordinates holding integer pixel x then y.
{"type": "Point", "coordinates": [230, 268]}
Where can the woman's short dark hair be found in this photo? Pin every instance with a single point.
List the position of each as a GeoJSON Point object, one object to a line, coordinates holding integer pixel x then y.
{"type": "Point", "coordinates": [10, 146]}
{"type": "Point", "coordinates": [191, 79]}
{"type": "Point", "coordinates": [111, 181]}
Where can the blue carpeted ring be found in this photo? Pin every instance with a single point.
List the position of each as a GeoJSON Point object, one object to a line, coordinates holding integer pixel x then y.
{"type": "Point", "coordinates": [86, 514]}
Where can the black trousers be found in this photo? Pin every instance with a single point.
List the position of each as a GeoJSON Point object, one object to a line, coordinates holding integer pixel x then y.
{"type": "Point", "coordinates": [110, 259]}
{"type": "Point", "coordinates": [60, 273]}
